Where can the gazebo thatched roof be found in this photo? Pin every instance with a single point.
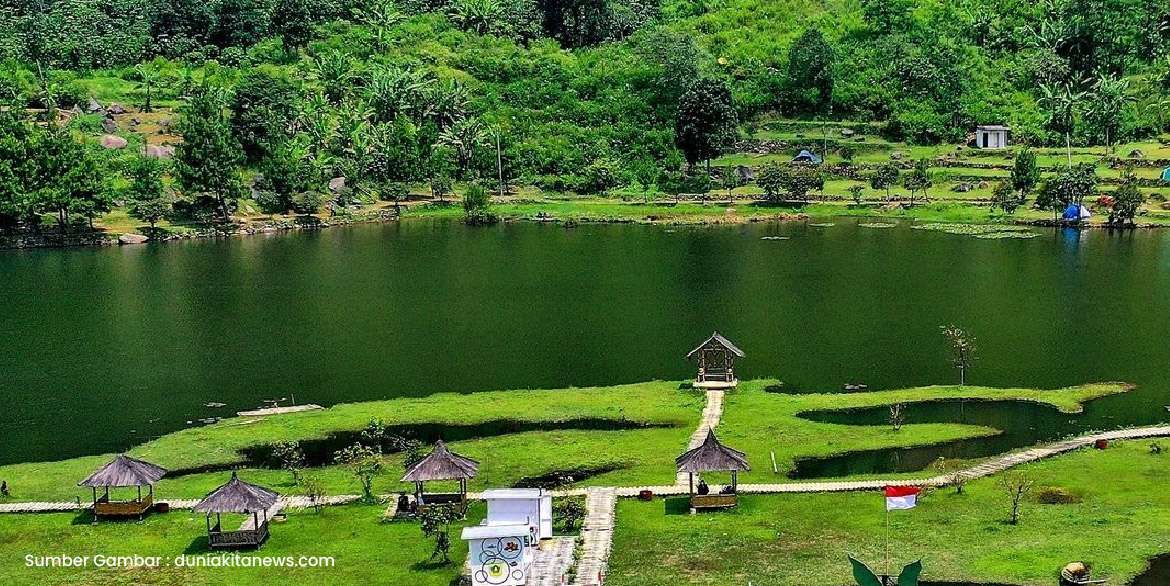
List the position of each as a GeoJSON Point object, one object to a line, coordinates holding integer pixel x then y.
{"type": "Point", "coordinates": [125, 471]}
{"type": "Point", "coordinates": [237, 496]}
{"type": "Point", "coordinates": [716, 341]}
{"type": "Point", "coordinates": [442, 464]}
{"type": "Point", "coordinates": [712, 456]}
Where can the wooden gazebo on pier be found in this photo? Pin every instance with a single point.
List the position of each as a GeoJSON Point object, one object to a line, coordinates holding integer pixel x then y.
{"type": "Point", "coordinates": [713, 456]}
{"type": "Point", "coordinates": [716, 358]}
{"type": "Point", "coordinates": [123, 472]}
{"type": "Point", "coordinates": [241, 498]}
{"type": "Point", "coordinates": [441, 464]}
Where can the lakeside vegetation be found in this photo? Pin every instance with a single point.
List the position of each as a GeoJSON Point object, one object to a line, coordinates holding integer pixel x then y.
{"type": "Point", "coordinates": [260, 107]}
{"type": "Point", "coordinates": [1115, 516]}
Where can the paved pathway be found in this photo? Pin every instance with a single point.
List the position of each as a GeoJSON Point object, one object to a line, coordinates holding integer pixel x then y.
{"type": "Point", "coordinates": [596, 535]}
{"type": "Point", "coordinates": [711, 415]}
{"type": "Point", "coordinates": [553, 561]}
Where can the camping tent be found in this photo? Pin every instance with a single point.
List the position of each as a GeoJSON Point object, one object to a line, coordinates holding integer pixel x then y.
{"type": "Point", "coordinates": [1075, 212]}
{"type": "Point", "coordinates": [807, 157]}
{"type": "Point", "coordinates": [1166, 175]}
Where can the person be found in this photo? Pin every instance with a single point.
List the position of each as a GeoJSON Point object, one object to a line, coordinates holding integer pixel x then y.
{"type": "Point", "coordinates": [703, 488]}
{"type": "Point", "coordinates": [4, 488]}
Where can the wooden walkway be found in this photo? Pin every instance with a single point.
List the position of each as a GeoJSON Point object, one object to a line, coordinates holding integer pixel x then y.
{"type": "Point", "coordinates": [278, 410]}
{"type": "Point", "coordinates": [597, 536]}
{"type": "Point", "coordinates": [553, 561]}
{"type": "Point", "coordinates": [712, 413]}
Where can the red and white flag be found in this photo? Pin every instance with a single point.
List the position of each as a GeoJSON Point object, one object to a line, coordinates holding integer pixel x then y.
{"type": "Point", "coordinates": [901, 497]}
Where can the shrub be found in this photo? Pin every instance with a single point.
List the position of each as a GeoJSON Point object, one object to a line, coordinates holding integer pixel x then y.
{"type": "Point", "coordinates": [1055, 495]}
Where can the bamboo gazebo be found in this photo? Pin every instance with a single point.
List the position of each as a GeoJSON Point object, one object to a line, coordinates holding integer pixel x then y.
{"type": "Point", "coordinates": [712, 456]}
{"type": "Point", "coordinates": [716, 357]}
{"type": "Point", "coordinates": [241, 498]}
{"type": "Point", "coordinates": [123, 472]}
{"type": "Point", "coordinates": [441, 464]}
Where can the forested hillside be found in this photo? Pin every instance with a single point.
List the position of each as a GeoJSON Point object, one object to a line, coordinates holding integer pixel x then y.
{"type": "Point", "coordinates": [579, 95]}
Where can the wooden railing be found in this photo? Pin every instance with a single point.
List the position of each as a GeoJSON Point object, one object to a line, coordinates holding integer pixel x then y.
{"type": "Point", "coordinates": [245, 538]}
{"type": "Point", "coordinates": [713, 501]}
{"type": "Point", "coordinates": [104, 508]}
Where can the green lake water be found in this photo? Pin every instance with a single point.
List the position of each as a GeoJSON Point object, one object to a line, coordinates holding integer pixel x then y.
{"type": "Point", "coordinates": [104, 348]}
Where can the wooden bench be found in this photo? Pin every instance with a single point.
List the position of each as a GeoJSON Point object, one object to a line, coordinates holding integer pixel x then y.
{"type": "Point", "coordinates": [713, 501]}
{"type": "Point", "coordinates": [137, 508]}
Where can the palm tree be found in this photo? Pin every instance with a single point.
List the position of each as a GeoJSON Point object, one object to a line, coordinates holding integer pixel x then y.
{"type": "Point", "coordinates": [1062, 102]}
{"type": "Point", "coordinates": [150, 76]}
{"type": "Point", "coordinates": [381, 16]}
{"type": "Point", "coordinates": [1110, 96]}
{"type": "Point", "coordinates": [393, 91]}
{"type": "Point", "coordinates": [334, 70]}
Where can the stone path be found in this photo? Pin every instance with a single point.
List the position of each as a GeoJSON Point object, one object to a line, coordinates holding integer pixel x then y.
{"type": "Point", "coordinates": [711, 416]}
{"type": "Point", "coordinates": [552, 563]}
{"type": "Point", "coordinates": [597, 536]}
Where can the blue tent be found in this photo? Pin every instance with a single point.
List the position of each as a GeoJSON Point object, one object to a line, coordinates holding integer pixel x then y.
{"type": "Point", "coordinates": [1075, 213]}
{"type": "Point", "coordinates": [1166, 175]}
{"type": "Point", "coordinates": [807, 157]}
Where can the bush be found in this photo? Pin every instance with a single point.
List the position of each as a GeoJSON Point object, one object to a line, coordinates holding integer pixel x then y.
{"type": "Point", "coordinates": [1055, 495]}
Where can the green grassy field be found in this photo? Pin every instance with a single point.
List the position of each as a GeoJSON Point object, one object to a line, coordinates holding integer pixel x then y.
{"type": "Point", "coordinates": [363, 549]}
{"type": "Point", "coordinates": [1121, 520]}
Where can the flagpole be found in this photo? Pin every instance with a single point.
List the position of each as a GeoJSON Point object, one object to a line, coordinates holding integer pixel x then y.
{"type": "Point", "coordinates": [886, 578]}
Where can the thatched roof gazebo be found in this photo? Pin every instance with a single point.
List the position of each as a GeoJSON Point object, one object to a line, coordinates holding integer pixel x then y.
{"type": "Point", "coordinates": [713, 456]}
{"type": "Point", "coordinates": [441, 464]}
{"type": "Point", "coordinates": [716, 357]}
{"type": "Point", "coordinates": [242, 498]}
{"type": "Point", "coordinates": [123, 472]}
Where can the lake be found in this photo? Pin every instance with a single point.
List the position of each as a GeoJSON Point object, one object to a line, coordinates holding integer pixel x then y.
{"type": "Point", "coordinates": [104, 348]}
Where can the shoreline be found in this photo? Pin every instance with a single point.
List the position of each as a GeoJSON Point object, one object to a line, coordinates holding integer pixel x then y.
{"type": "Point", "coordinates": [667, 213]}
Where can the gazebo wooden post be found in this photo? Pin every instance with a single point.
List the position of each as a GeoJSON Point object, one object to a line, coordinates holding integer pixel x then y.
{"type": "Point", "coordinates": [418, 492]}
{"type": "Point", "coordinates": [207, 517]}
{"type": "Point", "coordinates": [94, 496]}
{"type": "Point", "coordinates": [734, 481]}
{"type": "Point", "coordinates": [139, 500]}
{"type": "Point", "coordinates": [691, 483]}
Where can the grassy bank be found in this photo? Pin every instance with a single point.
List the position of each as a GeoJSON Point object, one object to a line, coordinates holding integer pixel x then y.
{"type": "Point", "coordinates": [364, 550]}
{"type": "Point", "coordinates": [1120, 520]}
{"type": "Point", "coordinates": [755, 421]}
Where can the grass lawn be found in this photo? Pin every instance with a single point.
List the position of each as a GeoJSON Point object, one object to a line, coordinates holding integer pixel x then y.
{"type": "Point", "coordinates": [758, 422]}
{"type": "Point", "coordinates": [364, 550]}
{"type": "Point", "coordinates": [1122, 519]}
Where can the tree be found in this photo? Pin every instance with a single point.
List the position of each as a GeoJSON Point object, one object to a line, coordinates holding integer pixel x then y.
{"type": "Point", "coordinates": [334, 70]}
{"type": "Point", "coordinates": [146, 194]}
{"type": "Point", "coordinates": [884, 177]}
{"type": "Point", "coordinates": [478, 16]}
{"type": "Point", "coordinates": [897, 416]}
{"type": "Point", "coordinates": [856, 191]}
{"type": "Point", "coordinates": [290, 178]}
{"type": "Point", "coordinates": [799, 179]}
{"type": "Point", "coordinates": [463, 137]}
{"type": "Point", "coordinates": [291, 458]}
{"type": "Point", "coordinates": [705, 122]}
{"type": "Point", "coordinates": [207, 162]}
{"type": "Point", "coordinates": [918, 179]}
{"type": "Point", "coordinates": [477, 206]}
{"type": "Point", "coordinates": [1126, 201]}
{"type": "Point", "coordinates": [962, 350]}
{"type": "Point", "coordinates": [293, 21]}
{"type": "Point", "coordinates": [1017, 485]}
{"type": "Point", "coordinates": [263, 107]}
{"type": "Point", "coordinates": [1006, 198]}
{"type": "Point", "coordinates": [70, 178]}
{"type": "Point", "coordinates": [1109, 98]}
{"type": "Point", "coordinates": [150, 76]}
{"type": "Point", "coordinates": [887, 16]}
{"type": "Point", "coordinates": [729, 180]}
{"type": "Point", "coordinates": [365, 463]}
{"type": "Point", "coordinates": [315, 490]}
{"type": "Point", "coordinates": [810, 71]}
{"type": "Point", "coordinates": [771, 180]}
{"type": "Point", "coordinates": [435, 522]}
{"type": "Point", "coordinates": [441, 185]}
{"type": "Point", "coordinates": [240, 23]}
{"type": "Point", "coordinates": [381, 16]}
{"type": "Point", "coordinates": [953, 471]}
{"type": "Point", "coordinates": [1062, 103]}
{"type": "Point", "coordinates": [1025, 172]}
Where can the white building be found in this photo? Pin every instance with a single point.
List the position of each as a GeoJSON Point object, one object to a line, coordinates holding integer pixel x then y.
{"type": "Point", "coordinates": [503, 547]}
{"type": "Point", "coordinates": [991, 137]}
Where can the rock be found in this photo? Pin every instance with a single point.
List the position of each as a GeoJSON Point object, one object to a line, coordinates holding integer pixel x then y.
{"type": "Point", "coordinates": [159, 151]}
{"type": "Point", "coordinates": [847, 132]}
{"type": "Point", "coordinates": [94, 107]}
{"type": "Point", "coordinates": [897, 156]}
{"type": "Point", "coordinates": [746, 175]}
{"type": "Point", "coordinates": [132, 239]}
{"type": "Point", "coordinates": [110, 141]}
{"type": "Point", "coordinates": [116, 108]}
{"type": "Point", "coordinates": [337, 184]}
{"type": "Point", "coordinates": [963, 187]}
{"type": "Point", "coordinates": [984, 185]}
{"type": "Point", "coordinates": [75, 110]}
{"type": "Point", "coordinates": [109, 126]}
{"type": "Point", "coordinates": [1137, 154]}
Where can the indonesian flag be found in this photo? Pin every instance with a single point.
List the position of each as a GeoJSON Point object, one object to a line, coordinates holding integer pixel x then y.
{"type": "Point", "coordinates": [901, 497]}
